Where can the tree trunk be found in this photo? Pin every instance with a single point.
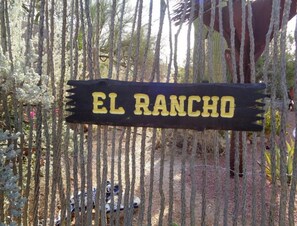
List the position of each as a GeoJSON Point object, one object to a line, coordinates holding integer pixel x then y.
{"type": "Point", "coordinates": [234, 157]}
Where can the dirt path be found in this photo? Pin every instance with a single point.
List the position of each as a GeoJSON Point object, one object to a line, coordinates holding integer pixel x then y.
{"type": "Point", "coordinates": [218, 198]}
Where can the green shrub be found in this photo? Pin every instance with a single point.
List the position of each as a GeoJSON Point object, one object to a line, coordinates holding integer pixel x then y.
{"type": "Point", "coordinates": [289, 162]}
{"type": "Point", "coordinates": [268, 122]}
{"type": "Point", "coordinates": [13, 201]}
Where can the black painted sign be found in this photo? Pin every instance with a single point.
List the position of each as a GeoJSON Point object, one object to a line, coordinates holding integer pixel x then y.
{"type": "Point", "coordinates": [167, 105]}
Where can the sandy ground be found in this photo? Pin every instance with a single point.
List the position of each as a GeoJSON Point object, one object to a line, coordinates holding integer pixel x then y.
{"type": "Point", "coordinates": [201, 191]}
{"type": "Point", "coordinates": [218, 198]}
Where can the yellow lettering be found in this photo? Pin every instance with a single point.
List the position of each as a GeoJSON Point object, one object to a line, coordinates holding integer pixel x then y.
{"type": "Point", "coordinates": [97, 103]}
{"type": "Point", "coordinates": [160, 105]}
{"type": "Point", "coordinates": [210, 107]}
{"type": "Point", "coordinates": [177, 106]}
{"type": "Point", "coordinates": [113, 109]}
{"type": "Point", "coordinates": [191, 100]}
{"type": "Point", "coordinates": [224, 101]}
{"type": "Point", "coordinates": [142, 101]}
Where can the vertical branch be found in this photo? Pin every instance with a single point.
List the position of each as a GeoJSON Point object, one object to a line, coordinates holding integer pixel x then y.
{"type": "Point", "coordinates": [13, 94]}
{"type": "Point", "coordinates": [148, 41]}
{"type": "Point", "coordinates": [292, 205]}
{"type": "Point", "coordinates": [39, 118]}
{"type": "Point", "coordinates": [97, 37]}
{"type": "Point", "coordinates": [236, 144]}
{"type": "Point", "coordinates": [75, 39]}
{"type": "Point", "coordinates": [83, 30]}
{"type": "Point", "coordinates": [75, 134]}
{"type": "Point", "coordinates": [119, 45]}
{"type": "Point", "coordinates": [89, 39]}
{"type": "Point", "coordinates": [3, 96]}
{"type": "Point", "coordinates": [81, 149]}
{"type": "Point", "coordinates": [138, 36]}
{"type": "Point", "coordinates": [4, 49]}
{"type": "Point", "coordinates": [232, 40]}
{"type": "Point", "coordinates": [242, 53]}
{"type": "Point", "coordinates": [57, 177]}
{"type": "Point", "coordinates": [29, 173]}
{"type": "Point", "coordinates": [60, 108]}
{"type": "Point", "coordinates": [187, 66]}
{"type": "Point", "coordinates": [90, 134]}
{"type": "Point", "coordinates": [152, 173]}
{"type": "Point", "coordinates": [199, 47]}
{"type": "Point", "coordinates": [3, 27]}
{"type": "Point", "coordinates": [54, 107]}
{"type": "Point", "coordinates": [283, 85]}
{"type": "Point", "coordinates": [161, 176]}
{"type": "Point", "coordinates": [49, 71]}
{"type": "Point", "coordinates": [111, 38]}
{"type": "Point", "coordinates": [142, 175]}
{"type": "Point", "coordinates": [170, 43]}
{"type": "Point", "coordinates": [294, 171]}
{"type": "Point", "coordinates": [275, 22]}
{"type": "Point", "coordinates": [253, 76]}
{"type": "Point", "coordinates": [30, 20]}
{"type": "Point", "coordinates": [68, 208]}
{"type": "Point", "coordinates": [127, 175]}
{"type": "Point", "coordinates": [138, 6]}
{"type": "Point", "coordinates": [156, 65]}
{"type": "Point", "coordinates": [210, 48]}
{"type": "Point", "coordinates": [52, 69]}
{"type": "Point", "coordinates": [27, 63]}
{"type": "Point", "coordinates": [243, 148]}
{"type": "Point", "coordinates": [266, 55]}
{"type": "Point", "coordinates": [8, 36]}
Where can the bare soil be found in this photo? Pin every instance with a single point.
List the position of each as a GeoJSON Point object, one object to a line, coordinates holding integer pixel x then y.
{"type": "Point", "coordinates": [218, 198]}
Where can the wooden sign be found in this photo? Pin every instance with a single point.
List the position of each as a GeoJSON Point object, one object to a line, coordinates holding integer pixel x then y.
{"type": "Point", "coordinates": [167, 105]}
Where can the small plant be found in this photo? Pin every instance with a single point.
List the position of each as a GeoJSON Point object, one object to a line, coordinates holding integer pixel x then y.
{"type": "Point", "coordinates": [289, 162]}
{"type": "Point", "coordinates": [13, 201]}
{"type": "Point", "coordinates": [268, 122]}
